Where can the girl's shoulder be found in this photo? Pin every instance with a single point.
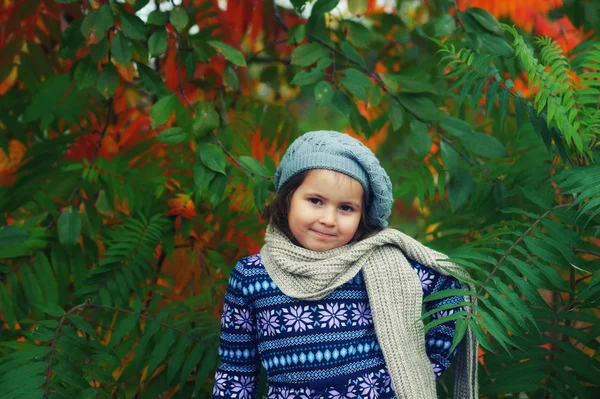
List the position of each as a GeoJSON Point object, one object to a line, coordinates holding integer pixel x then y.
{"type": "Point", "coordinates": [250, 262]}
{"type": "Point", "coordinates": [249, 266]}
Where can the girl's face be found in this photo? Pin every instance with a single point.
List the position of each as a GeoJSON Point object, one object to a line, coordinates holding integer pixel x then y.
{"type": "Point", "coordinates": [325, 210]}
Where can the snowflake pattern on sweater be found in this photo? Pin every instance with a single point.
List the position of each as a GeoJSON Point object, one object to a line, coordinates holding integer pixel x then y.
{"type": "Point", "coordinates": [324, 349]}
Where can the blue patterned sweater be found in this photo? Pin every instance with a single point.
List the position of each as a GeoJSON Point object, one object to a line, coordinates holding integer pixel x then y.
{"type": "Point", "coordinates": [313, 349]}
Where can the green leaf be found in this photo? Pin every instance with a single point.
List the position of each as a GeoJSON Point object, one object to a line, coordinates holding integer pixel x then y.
{"type": "Point", "coordinates": [12, 236]}
{"type": "Point", "coordinates": [174, 135]}
{"type": "Point", "coordinates": [396, 114]}
{"type": "Point", "coordinates": [87, 25]}
{"type": "Point", "coordinates": [261, 192]}
{"type": "Point", "coordinates": [205, 369]}
{"type": "Point", "coordinates": [207, 119]}
{"type": "Point", "coordinates": [85, 73]}
{"type": "Point", "coordinates": [108, 81]}
{"type": "Point", "coordinates": [202, 177]}
{"type": "Point", "coordinates": [133, 26]}
{"type": "Point", "coordinates": [51, 308]}
{"type": "Point", "coordinates": [446, 294]}
{"type": "Point", "coordinates": [521, 112]}
{"type": "Point", "coordinates": [442, 320]}
{"type": "Point", "coordinates": [43, 270]}
{"type": "Point", "coordinates": [358, 78]}
{"type": "Point", "coordinates": [98, 22]}
{"type": "Point", "coordinates": [152, 80]}
{"type": "Point", "coordinates": [121, 48]}
{"type": "Point", "coordinates": [486, 20]}
{"type": "Point", "coordinates": [495, 45]}
{"type": "Point", "coordinates": [230, 78]}
{"type": "Point", "coordinates": [389, 80]}
{"type": "Point", "coordinates": [157, 44]}
{"type": "Point", "coordinates": [8, 307]}
{"type": "Point", "coordinates": [419, 139]}
{"type": "Point", "coordinates": [26, 355]}
{"type": "Point", "coordinates": [411, 84]}
{"type": "Point", "coordinates": [323, 6]}
{"type": "Point", "coordinates": [253, 165]}
{"type": "Point", "coordinates": [162, 110]}
{"type": "Point", "coordinates": [161, 349]}
{"type": "Point", "coordinates": [177, 357]}
{"type": "Point", "coordinates": [217, 189]}
{"type": "Point", "coordinates": [342, 103]}
{"type": "Point", "coordinates": [69, 226]}
{"type": "Point", "coordinates": [231, 54]}
{"type": "Point", "coordinates": [60, 265]}
{"type": "Point", "coordinates": [459, 333]}
{"type": "Point", "coordinates": [212, 156]}
{"type": "Point", "coordinates": [456, 127]}
{"type": "Point", "coordinates": [304, 78]}
{"type": "Point", "coordinates": [484, 145]}
{"type": "Point", "coordinates": [82, 324]}
{"type": "Point", "coordinates": [351, 53]}
{"type": "Point", "coordinates": [490, 96]}
{"type": "Point", "coordinates": [308, 54]}
{"type": "Point", "coordinates": [420, 106]}
{"type": "Point", "coordinates": [481, 336]}
{"type": "Point", "coordinates": [123, 328]}
{"type": "Point", "coordinates": [459, 189]}
{"type": "Point", "coordinates": [444, 25]}
{"type": "Point", "coordinates": [191, 361]}
{"type": "Point", "coordinates": [157, 18]}
{"type": "Point", "coordinates": [179, 18]}
{"type": "Point", "coordinates": [104, 21]}
{"type": "Point", "coordinates": [450, 157]}
{"type": "Point", "coordinates": [99, 50]}
{"type": "Point", "coordinates": [323, 93]}
{"type": "Point", "coordinates": [540, 197]}
{"type": "Point", "coordinates": [296, 33]}
{"type": "Point", "coordinates": [355, 89]}
{"type": "Point", "coordinates": [503, 100]}
{"type": "Point", "coordinates": [72, 40]}
{"type": "Point", "coordinates": [495, 329]}
{"type": "Point", "coordinates": [32, 289]}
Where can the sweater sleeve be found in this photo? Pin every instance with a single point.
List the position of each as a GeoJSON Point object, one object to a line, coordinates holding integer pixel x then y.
{"type": "Point", "coordinates": [237, 375]}
{"type": "Point", "coordinates": [438, 340]}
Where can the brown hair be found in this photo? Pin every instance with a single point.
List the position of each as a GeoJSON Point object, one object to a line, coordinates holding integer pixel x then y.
{"type": "Point", "coordinates": [277, 211]}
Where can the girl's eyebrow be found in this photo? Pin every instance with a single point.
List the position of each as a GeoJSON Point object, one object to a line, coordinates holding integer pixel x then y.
{"type": "Point", "coordinates": [354, 204]}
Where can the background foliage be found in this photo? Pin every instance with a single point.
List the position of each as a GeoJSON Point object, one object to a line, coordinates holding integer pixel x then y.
{"type": "Point", "coordinates": [138, 148]}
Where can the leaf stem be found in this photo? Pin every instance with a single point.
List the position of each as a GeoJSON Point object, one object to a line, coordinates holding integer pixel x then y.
{"type": "Point", "coordinates": [514, 244]}
{"type": "Point", "coordinates": [55, 339]}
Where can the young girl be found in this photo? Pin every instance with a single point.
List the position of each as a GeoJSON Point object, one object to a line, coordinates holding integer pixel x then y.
{"type": "Point", "coordinates": [329, 305]}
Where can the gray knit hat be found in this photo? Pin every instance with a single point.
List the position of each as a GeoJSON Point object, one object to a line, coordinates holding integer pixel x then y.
{"type": "Point", "coordinates": [326, 149]}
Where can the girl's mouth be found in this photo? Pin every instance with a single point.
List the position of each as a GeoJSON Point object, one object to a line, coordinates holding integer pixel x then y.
{"type": "Point", "coordinates": [324, 235]}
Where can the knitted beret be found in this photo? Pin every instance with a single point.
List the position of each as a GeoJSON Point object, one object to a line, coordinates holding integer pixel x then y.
{"type": "Point", "coordinates": [325, 149]}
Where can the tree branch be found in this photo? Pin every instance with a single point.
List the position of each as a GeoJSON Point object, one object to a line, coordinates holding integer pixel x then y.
{"type": "Point", "coordinates": [279, 19]}
{"type": "Point", "coordinates": [107, 118]}
{"type": "Point", "coordinates": [191, 107]}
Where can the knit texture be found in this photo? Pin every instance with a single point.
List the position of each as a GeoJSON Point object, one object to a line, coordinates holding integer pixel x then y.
{"type": "Point", "coordinates": [394, 294]}
{"type": "Point", "coordinates": [325, 149]}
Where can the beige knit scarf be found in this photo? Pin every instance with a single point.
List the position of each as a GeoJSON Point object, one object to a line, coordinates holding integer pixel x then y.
{"type": "Point", "coordinates": [395, 297]}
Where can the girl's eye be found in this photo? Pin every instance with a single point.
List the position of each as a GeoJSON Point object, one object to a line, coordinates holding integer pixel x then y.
{"type": "Point", "coordinates": [315, 201]}
{"type": "Point", "coordinates": [347, 208]}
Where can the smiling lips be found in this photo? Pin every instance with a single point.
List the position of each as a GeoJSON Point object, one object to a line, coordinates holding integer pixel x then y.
{"type": "Point", "coordinates": [324, 235]}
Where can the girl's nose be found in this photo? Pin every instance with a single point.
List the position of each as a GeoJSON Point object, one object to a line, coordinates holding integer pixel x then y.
{"type": "Point", "coordinates": [328, 217]}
